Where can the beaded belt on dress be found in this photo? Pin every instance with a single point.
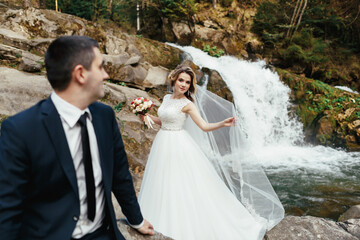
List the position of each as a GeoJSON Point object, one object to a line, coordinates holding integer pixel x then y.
{"type": "Point", "coordinates": [171, 129]}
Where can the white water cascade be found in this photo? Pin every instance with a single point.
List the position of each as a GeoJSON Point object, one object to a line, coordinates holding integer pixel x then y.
{"type": "Point", "coordinates": [273, 134]}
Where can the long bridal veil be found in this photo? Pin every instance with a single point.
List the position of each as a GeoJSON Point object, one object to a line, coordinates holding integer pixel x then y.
{"type": "Point", "coordinates": [226, 149]}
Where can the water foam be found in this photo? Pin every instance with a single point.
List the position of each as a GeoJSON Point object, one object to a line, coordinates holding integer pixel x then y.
{"type": "Point", "coordinates": [274, 135]}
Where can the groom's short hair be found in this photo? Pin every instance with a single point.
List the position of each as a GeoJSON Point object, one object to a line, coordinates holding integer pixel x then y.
{"type": "Point", "coordinates": [64, 54]}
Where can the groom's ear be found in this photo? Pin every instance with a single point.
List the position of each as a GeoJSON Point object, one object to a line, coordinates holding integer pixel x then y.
{"type": "Point", "coordinates": [79, 74]}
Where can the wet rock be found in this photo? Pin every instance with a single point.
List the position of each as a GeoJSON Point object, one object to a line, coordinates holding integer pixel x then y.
{"type": "Point", "coordinates": [217, 85]}
{"type": "Point", "coordinates": [308, 227]}
{"type": "Point", "coordinates": [324, 130]}
{"type": "Point", "coordinates": [352, 226]}
{"type": "Point", "coordinates": [351, 213]}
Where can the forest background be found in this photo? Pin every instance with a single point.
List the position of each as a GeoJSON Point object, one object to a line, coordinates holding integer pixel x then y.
{"type": "Point", "coordinates": [315, 35]}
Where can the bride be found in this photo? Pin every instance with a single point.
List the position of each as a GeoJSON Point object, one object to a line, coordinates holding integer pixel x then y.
{"type": "Point", "coordinates": [194, 185]}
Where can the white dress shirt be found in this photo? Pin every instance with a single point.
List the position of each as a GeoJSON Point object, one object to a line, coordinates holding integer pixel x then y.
{"type": "Point", "coordinates": [69, 115]}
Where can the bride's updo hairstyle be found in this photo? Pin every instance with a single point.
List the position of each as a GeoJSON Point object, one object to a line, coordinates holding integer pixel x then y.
{"type": "Point", "coordinates": [174, 74]}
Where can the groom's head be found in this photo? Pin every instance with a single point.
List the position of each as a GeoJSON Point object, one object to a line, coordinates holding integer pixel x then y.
{"type": "Point", "coordinates": [64, 54]}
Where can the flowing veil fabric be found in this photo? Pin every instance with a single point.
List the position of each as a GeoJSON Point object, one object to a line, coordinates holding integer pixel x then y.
{"type": "Point", "coordinates": [226, 149]}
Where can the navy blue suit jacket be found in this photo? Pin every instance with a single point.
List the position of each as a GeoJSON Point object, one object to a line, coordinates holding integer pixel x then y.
{"type": "Point", "coordinates": [39, 196]}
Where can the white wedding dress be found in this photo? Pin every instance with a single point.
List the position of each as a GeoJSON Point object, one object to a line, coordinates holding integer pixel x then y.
{"type": "Point", "coordinates": [182, 195]}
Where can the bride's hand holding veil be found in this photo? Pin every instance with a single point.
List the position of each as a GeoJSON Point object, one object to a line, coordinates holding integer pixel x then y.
{"type": "Point", "coordinates": [192, 110]}
{"type": "Point", "coordinates": [229, 122]}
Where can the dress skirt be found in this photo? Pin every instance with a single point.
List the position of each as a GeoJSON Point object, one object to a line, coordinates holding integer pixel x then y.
{"type": "Point", "coordinates": [183, 197]}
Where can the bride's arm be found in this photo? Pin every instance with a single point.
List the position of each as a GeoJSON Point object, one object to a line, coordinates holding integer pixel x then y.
{"type": "Point", "coordinates": [192, 110]}
{"type": "Point", "coordinates": [155, 119]}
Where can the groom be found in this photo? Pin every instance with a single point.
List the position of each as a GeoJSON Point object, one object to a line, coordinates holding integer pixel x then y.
{"type": "Point", "coordinates": [61, 159]}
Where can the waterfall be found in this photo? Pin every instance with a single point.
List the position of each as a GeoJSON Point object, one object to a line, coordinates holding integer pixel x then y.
{"type": "Point", "coordinates": [273, 133]}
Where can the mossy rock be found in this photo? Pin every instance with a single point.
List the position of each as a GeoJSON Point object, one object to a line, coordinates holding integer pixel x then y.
{"type": "Point", "coordinates": [325, 111]}
{"type": "Point", "coordinates": [157, 53]}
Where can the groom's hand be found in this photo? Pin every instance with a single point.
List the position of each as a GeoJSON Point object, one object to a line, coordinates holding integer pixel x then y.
{"type": "Point", "coordinates": [146, 228]}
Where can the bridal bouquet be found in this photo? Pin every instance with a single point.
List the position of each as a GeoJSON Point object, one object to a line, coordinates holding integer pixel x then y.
{"type": "Point", "coordinates": [142, 106]}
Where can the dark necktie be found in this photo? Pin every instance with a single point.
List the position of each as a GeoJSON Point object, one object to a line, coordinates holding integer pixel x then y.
{"type": "Point", "coordinates": [89, 174]}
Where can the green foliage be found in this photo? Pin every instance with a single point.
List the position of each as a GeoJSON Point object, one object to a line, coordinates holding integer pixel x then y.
{"type": "Point", "coordinates": [322, 87]}
{"type": "Point", "coordinates": [305, 49]}
{"type": "Point", "coordinates": [340, 99]}
{"type": "Point", "coordinates": [268, 22]}
{"type": "Point", "coordinates": [90, 10]}
{"type": "Point", "coordinates": [123, 12]}
{"type": "Point", "coordinates": [206, 48]}
{"type": "Point", "coordinates": [213, 51]}
{"type": "Point", "coordinates": [118, 107]}
{"type": "Point", "coordinates": [303, 38]}
{"type": "Point", "coordinates": [325, 21]}
{"type": "Point", "coordinates": [339, 105]}
{"type": "Point", "coordinates": [121, 84]}
{"type": "Point", "coordinates": [219, 53]}
{"type": "Point", "coordinates": [357, 114]}
{"type": "Point", "coordinates": [178, 9]}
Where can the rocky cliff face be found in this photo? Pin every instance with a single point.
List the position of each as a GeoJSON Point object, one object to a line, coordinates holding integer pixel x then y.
{"type": "Point", "coordinates": [331, 116]}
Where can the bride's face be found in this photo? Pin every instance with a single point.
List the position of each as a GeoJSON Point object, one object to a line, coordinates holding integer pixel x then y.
{"type": "Point", "coordinates": [182, 83]}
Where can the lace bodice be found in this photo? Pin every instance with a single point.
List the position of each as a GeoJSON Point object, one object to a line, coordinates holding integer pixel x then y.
{"type": "Point", "coordinates": [172, 118]}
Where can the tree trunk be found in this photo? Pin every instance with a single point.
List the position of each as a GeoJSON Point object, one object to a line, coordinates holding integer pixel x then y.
{"type": "Point", "coordinates": [214, 4]}
{"type": "Point", "coordinates": [302, 13]}
{"type": "Point", "coordinates": [292, 21]}
{"type": "Point", "coordinates": [109, 7]}
{"type": "Point", "coordinates": [137, 16]}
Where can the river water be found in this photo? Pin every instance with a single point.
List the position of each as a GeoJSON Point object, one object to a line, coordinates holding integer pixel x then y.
{"type": "Point", "coordinates": [309, 180]}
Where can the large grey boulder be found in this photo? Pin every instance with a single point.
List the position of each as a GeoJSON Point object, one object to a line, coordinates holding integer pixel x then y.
{"type": "Point", "coordinates": [352, 226]}
{"type": "Point", "coordinates": [21, 41]}
{"type": "Point", "coordinates": [209, 33]}
{"type": "Point", "coordinates": [182, 32]}
{"type": "Point", "coordinates": [114, 45]}
{"type": "Point", "coordinates": [309, 228]}
{"type": "Point", "coordinates": [19, 90]}
{"type": "Point", "coordinates": [28, 62]}
{"type": "Point", "coordinates": [31, 62]}
{"type": "Point", "coordinates": [156, 76]}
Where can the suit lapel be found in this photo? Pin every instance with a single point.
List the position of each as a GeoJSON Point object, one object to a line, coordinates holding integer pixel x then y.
{"type": "Point", "coordinates": [57, 135]}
